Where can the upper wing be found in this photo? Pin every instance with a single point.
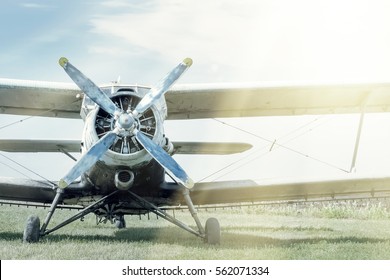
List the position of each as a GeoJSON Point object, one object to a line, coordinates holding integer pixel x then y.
{"type": "Point", "coordinates": [221, 101]}
{"type": "Point", "coordinates": [38, 98]}
{"type": "Point", "coordinates": [73, 146]}
{"type": "Point", "coordinates": [252, 191]}
{"type": "Point", "coordinates": [207, 100]}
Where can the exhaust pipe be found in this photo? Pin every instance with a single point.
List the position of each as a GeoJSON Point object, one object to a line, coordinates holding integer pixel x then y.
{"type": "Point", "coordinates": [124, 179]}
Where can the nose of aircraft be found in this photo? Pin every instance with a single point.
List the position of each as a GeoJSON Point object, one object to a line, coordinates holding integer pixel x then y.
{"type": "Point", "coordinates": [126, 121]}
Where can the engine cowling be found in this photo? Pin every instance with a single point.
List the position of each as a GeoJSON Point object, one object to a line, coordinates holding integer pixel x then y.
{"type": "Point", "coordinates": [126, 151]}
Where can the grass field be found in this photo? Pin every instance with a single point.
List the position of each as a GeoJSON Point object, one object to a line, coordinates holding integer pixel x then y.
{"type": "Point", "coordinates": [344, 230]}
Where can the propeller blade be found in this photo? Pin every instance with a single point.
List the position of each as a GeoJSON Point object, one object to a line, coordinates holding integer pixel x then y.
{"type": "Point", "coordinates": [88, 87]}
{"type": "Point", "coordinates": [162, 87]}
{"type": "Point", "coordinates": [170, 165]}
{"type": "Point", "coordinates": [88, 159]}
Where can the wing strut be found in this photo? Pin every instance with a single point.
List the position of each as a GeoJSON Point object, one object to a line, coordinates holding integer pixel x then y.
{"type": "Point", "coordinates": [62, 150]}
{"type": "Point", "coordinates": [358, 134]}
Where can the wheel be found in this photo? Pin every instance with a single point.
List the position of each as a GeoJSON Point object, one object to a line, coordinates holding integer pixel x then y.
{"type": "Point", "coordinates": [31, 232]}
{"type": "Point", "coordinates": [213, 231]}
{"type": "Point", "coordinates": [120, 222]}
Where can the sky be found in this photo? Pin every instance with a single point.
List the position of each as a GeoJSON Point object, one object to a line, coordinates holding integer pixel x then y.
{"type": "Point", "coordinates": [230, 42]}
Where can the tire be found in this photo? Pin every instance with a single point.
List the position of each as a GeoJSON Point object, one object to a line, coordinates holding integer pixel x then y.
{"type": "Point", "coordinates": [31, 232]}
{"type": "Point", "coordinates": [213, 231]}
{"type": "Point", "coordinates": [120, 222]}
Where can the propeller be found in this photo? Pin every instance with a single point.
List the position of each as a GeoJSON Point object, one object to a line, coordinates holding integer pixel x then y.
{"type": "Point", "coordinates": [89, 159]}
{"type": "Point", "coordinates": [170, 165]}
{"type": "Point", "coordinates": [162, 87]}
{"type": "Point", "coordinates": [88, 87]}
{"type": "Point", "coordinates": [126, 122]}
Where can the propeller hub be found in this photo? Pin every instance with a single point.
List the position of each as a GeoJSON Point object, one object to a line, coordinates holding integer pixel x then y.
{"type": "Point", "coordinates": [126, 121]}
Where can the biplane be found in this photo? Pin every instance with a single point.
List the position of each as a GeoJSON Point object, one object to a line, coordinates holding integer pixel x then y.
{"type": "Point", "coordinates": [126, 156]}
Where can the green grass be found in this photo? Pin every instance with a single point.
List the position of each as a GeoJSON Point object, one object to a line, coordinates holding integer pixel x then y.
{"type": "Point", "coordinates": [344, 230]}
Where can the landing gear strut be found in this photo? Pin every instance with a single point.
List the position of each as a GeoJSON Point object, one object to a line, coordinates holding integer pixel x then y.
{"type": "Point", "coordinates": [33, 233]}
{"type": "Point", "coordinates": [211, 234]}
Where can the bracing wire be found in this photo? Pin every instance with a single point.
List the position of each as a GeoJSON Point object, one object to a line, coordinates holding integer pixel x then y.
{"type": "Point", "coordinates": [17, 122]}
{"type": "Point", "coordinates": [274, 143]}
{"type": "Point", "coordinates": [15, 162]}
{"type": "Point", "coordinates": [14, 169]}
{"type": "Point", "coordinates": [38, 115]}
{"type": "Point", "coordinates": [28, 169]}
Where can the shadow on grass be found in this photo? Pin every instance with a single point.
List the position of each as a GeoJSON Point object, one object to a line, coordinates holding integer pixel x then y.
{"type": "Point", "coordinates": [233, 241]}
{"type": "Point", "coordinates": [282, 228]}
{"type": "Point", "coordinates": [11, 236]}
{"type": "Point", "coordinates": [172, 235]}
{"type": "Point", "coordinates": [123, 235]}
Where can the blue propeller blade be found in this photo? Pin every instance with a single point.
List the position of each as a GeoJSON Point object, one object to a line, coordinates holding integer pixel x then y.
{"type": "Point", "coordinates": [88, 87]}
{"type": "Point", "coordinates": [162, 87]}
{"type": "Point", "coordinates": [88, 159]}
{"type": "Point", "coordinates": [166, 161]}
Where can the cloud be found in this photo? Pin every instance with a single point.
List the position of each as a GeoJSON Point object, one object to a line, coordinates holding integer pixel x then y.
{"type": "Point", "coordinates": [211, 33]}
{"type": "Point", "coordinates": [34, 6]}
{"type": "Point", "coordinates": [134, 5]}
{"type": "Point", "coordinates": [256, 40]}
{"type": "Point", "coordinates": [116, 4]}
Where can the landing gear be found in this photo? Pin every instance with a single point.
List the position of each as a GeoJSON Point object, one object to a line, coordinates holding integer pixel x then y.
{"type": "Point", "coordinates": [212, 231]}
{"type": "Point", "coordinates": [211, 234]}
{"type": "Point", "coordinates": [31, 232]}
{"type": "Point", "coordinates": [105, 211]}
{"type": "Point", "coordinates": [120, 222]}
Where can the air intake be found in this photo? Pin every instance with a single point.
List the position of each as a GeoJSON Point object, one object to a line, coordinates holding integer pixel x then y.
{"type": "Point", "coordinates": [124, 179]}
